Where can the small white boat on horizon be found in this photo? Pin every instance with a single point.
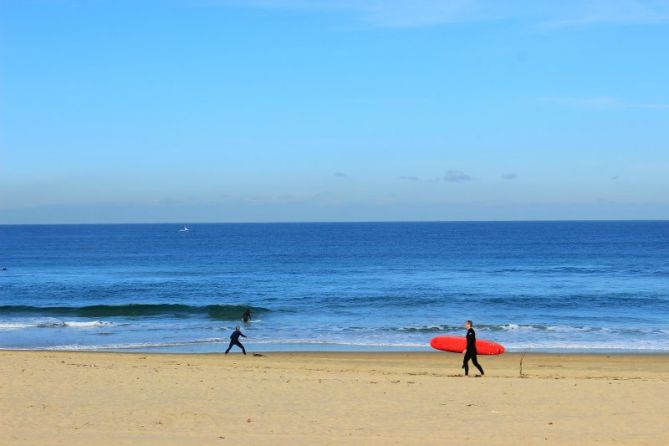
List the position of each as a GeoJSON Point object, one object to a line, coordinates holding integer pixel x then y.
{"type": "Point", "coordinates": [184, 229]}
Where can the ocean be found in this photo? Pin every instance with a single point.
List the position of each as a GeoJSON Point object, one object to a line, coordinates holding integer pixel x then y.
{"type": "Point", "coordinates": [532, 286]}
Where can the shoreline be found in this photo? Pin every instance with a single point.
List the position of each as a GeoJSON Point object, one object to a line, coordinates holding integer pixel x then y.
{"type": "Point", "coordinates": [157, 351]}
{"type": "Point", "coordinates": [322, 398]}
{"type": "Point", "coordinates": [337, 349]}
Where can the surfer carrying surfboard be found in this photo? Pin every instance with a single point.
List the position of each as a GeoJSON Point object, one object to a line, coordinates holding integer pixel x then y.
{"type": "Point", "coordinates": [470, 351]}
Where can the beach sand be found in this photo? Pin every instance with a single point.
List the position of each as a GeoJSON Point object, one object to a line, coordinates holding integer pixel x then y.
{"type": "Point", "coordinates": [50, 398]}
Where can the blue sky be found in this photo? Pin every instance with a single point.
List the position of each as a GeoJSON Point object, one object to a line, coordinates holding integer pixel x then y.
{"type": "Point", "coordinates": [298, 110]}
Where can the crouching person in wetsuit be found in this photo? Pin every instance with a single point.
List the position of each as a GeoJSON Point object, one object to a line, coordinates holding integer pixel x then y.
{"type": "Point", "coordinates": [234, 340]}
{"type": "Point", "coordinates": [470, 351]}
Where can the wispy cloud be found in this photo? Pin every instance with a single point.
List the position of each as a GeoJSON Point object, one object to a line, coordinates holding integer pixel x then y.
{"type": "Point", "coordinates": [456, 176]}
{"type": "Point", "coordinates": [509, 176]}
{"type": "Point", "coordinates": [603, 103]}
{"type": "Point", "coordinates": [340, 175]}
{"type": "Point", "coordinates": [409, 178]}
{"type": "Point", "coordinates": [421, 13]}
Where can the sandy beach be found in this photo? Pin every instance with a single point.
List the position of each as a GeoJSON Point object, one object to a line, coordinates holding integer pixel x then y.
{"type": "Point", "coordinates": [331, 398]}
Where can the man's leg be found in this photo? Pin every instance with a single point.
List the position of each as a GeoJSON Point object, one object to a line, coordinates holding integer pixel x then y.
{"type": "Point", "coordinates": [229, 347]}
{"type": "Point", "coordinates": [476, 364]}
{"type": "Point", "coordinates": [465, 363]}
{"type": "Point", "coordinates": [239, 344]}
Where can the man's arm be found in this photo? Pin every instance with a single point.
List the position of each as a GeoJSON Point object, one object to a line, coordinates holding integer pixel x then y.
{"type": "Point", "coordinates": [471, 343]}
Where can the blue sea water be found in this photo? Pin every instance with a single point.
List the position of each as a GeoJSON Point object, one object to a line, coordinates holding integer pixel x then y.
{"type": "Point", "coordinates": [565, 286]}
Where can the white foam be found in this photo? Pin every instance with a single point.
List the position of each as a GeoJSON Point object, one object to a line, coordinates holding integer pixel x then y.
{"type": "Point", "coordinates": [132, 345]}
{"type": "Point", "coordinates": [150, 345]}
{"type": "Point", "coordinates": [588, 346]}
{"type": "Point", "coordinates": [15, 325]}
{"type": "Point", "coordinates": [87, 324]}
{"type": "Point", "coordinates": [568, 329]}
{"type": "Point", "coordinates": [293, 341]}
{"type": "Point", "coordinates": [514, 327]}
{"type": "Point", "coordinates": [52, 323]}
{"type": "Point", "coordinates": [30, 323]}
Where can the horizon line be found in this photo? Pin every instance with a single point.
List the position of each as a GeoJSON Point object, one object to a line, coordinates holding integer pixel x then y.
{"type": "Point", "coordinates": [566, 220]}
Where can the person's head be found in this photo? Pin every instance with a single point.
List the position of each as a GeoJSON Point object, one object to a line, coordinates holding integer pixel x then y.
{"type": "Point", "coordinates": [237, 328]}
{"type": "Point", "coordinates": [468, 324]}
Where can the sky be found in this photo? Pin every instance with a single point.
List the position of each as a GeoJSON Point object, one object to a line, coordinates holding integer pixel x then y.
{"type": "Point", "coordinates": [124, 111]}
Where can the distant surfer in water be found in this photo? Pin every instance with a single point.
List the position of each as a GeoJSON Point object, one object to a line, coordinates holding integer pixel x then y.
{"type": "Point", "coordinates": [470, 351]}
{"type": "Point", "coordinates": [234, 340]}
{"type": "Point", "coordinates": [246, 317]}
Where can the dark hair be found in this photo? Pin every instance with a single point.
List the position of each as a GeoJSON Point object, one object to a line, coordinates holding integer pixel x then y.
{"type": "Point", "coordinates": [469, 322]}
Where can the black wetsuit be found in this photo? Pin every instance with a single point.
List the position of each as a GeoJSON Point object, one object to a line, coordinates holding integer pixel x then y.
{"type": "Point", "coordinates": [471, 352]}
{"type": "Point", "coordinates": [246, 317]}
{"type": "Point", "coordinates": [234, 340]}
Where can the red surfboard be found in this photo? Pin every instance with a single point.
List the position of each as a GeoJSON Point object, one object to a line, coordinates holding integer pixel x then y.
{"type": "Point", "coordinates": [458, 344]}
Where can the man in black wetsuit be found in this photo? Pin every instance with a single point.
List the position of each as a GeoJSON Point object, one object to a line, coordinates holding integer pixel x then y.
{"type": "Point", "coordinates": [246, 317]}
{"type": "Point", "coordinates": [234, 340]}
{"type": "Point", "coordinates": [470, 351]}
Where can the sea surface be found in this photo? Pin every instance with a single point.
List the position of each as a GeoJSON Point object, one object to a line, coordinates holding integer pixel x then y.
{"type": "Point", "coordinates": [545, 286]}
